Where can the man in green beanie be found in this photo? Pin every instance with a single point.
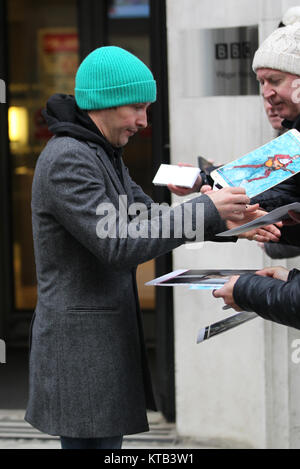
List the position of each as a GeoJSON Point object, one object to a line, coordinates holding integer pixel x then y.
{"type": "Point", "coordinates": [89, 377]}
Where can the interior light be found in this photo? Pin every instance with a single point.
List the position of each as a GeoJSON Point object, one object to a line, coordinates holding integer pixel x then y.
{"type": "Point", "coordinates": [18, 124]}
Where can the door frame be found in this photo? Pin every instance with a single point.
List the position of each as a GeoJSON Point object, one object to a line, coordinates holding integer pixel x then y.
{"type": "Point", "coordinates": [161, 154]}
{"type": "Point", "coordinates": [6, 258]}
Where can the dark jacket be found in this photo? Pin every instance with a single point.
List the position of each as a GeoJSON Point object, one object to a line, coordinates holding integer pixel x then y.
{"type": "Point", "coordinates": [89, 375]}
{"type": "Point", "coordinates": [281, 251]}
{"type": "Point", "coordinates": [272, 299]}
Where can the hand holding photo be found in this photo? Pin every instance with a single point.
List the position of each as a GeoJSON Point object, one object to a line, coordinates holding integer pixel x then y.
{"type": "Point", "coordinates": [279, 214]}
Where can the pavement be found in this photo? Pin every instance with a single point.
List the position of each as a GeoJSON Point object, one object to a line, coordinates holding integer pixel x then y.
{"type": "Point", "coordinates": [15, 433]}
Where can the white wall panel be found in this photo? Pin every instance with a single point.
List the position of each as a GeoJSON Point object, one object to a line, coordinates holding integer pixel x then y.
{"type": "Point", "coordinates": [228, 389]}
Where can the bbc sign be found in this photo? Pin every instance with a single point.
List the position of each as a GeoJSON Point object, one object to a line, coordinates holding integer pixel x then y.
{"type": "Point", "coordinates": [235, 51]}
{"type": "Point", "coordinates": [218, 62]}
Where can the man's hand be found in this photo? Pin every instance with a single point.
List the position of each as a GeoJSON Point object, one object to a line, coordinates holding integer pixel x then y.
{"type": "Point", "coordinates": [280, 273]}
{"type": "Point", "coordinates": [226, 292]}
{"type": "Point", "coordinates": [182, 191]}
{"type": "Point", "coordinates": [231, 202]}
{"type": "Point", "coordinates": [264, 234]}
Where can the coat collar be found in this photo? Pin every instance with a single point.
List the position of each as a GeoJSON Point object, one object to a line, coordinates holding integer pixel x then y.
{"type": "Point", "coordinates": [107, 162]}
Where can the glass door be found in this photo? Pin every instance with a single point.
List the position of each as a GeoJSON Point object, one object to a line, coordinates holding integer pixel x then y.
{"type": "Point", "coordinates": [43, 58]}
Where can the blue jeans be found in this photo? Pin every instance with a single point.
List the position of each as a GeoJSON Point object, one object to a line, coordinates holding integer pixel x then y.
{"type": "Point", "coordinates": [91, 443]}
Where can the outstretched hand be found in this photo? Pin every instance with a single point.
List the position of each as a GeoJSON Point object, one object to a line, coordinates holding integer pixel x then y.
{"type": "Point", "coordinates": [226, 292]}
{"type": "Point", "coordinates": [262, 235]}
{"type": "Point", "coordinates": [252, 212]}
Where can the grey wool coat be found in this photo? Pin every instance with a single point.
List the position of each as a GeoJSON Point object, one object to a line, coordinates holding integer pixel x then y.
{"type": "Point", "coordinates": [88, 368]}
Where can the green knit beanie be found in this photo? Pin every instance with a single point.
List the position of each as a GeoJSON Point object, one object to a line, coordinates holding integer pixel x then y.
{"type": "Point", "coordinates": [110, 77]}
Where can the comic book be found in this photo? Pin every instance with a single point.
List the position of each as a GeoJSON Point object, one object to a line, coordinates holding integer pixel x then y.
{"type": "Point", "coordinates": [264, 167]}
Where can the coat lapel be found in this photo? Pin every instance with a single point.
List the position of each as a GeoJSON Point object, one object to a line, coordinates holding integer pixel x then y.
{"type": "Point", "coordinates": [127, 183]}
{"type": "Point", "coordinates": [106, 161]}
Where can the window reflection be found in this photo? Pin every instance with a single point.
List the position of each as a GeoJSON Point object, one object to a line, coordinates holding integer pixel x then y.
{"type": "Point", "coordinates": [43, 57]}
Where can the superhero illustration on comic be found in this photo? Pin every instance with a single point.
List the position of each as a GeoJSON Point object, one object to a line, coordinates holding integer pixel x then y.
{"type": "Point", "coordinates": [265, 167]}
{"type": "Point", "coordinates": [273, 163]}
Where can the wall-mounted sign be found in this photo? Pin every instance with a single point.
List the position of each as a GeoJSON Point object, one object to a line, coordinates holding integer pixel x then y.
{"type": "Point", "coordinates": [218, 62]}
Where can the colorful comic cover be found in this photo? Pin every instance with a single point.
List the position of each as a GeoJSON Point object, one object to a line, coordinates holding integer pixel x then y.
{"type": "Point", "coordinates": [263, 168]}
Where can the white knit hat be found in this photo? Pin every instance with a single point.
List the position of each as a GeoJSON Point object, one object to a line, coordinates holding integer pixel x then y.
{"type": "Point", "coordinates": [291, 16]}
{"type": "Point", "coordinates": [280, 51]}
